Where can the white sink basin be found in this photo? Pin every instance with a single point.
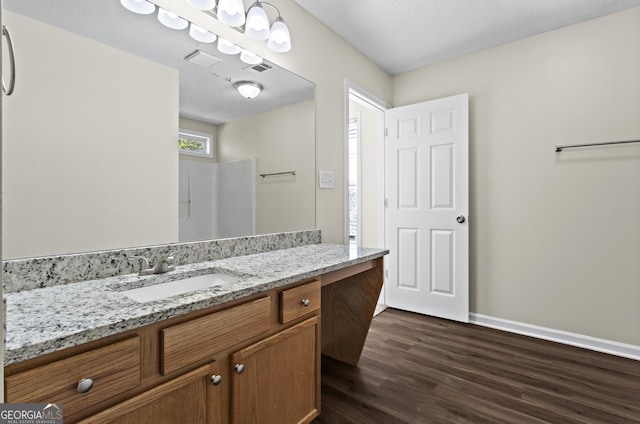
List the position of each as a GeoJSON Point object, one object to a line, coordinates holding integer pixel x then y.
{"type": "Point", "coordinates": [174, 288]}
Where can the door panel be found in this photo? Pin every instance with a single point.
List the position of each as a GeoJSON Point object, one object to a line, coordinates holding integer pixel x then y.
{"type": "Point", "coordinates": [442, 171]}
{"type": "Point", "coordinates": [442, 262]}
{"type": "Point", "coordinates": [427, 189]}
{"type": "Point", "coordinates": [408, 178]}
{"type": "Point", "coordinates": [408, 257]}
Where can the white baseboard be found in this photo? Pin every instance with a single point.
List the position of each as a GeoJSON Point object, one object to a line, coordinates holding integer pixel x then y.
{"type": "Point", "coordinates": [565, 337]}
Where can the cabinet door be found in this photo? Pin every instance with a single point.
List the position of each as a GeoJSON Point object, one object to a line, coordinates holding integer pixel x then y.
{"type": "Point", "coordinates": [277, 379]}
{"type": "Point", "coordinates": [191, 398]}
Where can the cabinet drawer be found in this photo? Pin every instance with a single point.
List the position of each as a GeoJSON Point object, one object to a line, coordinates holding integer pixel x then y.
{"type": "Point", "coordinates": [187, 343]}
{"type": "Point", "coordinates": [299, 301]}
{"type": "Point", "coordinates": [114, 369]}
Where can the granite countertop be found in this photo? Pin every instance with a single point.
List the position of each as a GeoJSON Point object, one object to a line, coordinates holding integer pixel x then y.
{"type": "Point", "coordinates": [49, 319]}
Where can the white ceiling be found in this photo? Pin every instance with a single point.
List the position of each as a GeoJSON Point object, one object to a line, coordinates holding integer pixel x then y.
{"type": "Point", "coordinates": [402, 35]}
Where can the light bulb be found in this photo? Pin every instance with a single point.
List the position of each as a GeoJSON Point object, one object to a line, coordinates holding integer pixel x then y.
{"type": "Point", "coordinates": [257, 26]}
{"type": "Point", "coordinates": [280, 39]}
{"type": "Point", "coordinates": [202, 4]}
{"type": "Point", "coordinates": [142, 7]}
{"type": "Point", "coordinates": [227, 47]}
{"type": "Point", "coordinates": [231, 12]}
{"type": "Point", "coordinates": [250, 58]}
{"type": "Point", "coordinates": [201, 34]}
{"type": "Point", "coordinates": [171, 20]}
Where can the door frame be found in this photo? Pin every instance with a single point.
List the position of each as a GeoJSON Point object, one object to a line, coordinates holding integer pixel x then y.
{"type": "Point", "coordinates": [370, 100]}
{"type": "Point", "coordinates": [373, 101]}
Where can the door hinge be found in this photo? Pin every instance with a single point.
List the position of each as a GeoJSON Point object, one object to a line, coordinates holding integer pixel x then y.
{"type": "Point", "coordinates": [386, 132]}
{"type": "Point", "coordinates": [386, 203]}
{"type": "Point", "coordinates": [386, 273]}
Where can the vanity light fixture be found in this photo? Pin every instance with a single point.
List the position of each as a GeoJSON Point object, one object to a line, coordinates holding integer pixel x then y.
{"type": "Point", "coordinates": [171, 20]}
{"type": "Point", "coordinates": [248, 89]}
{"type": "Point", "coordinates": [257, 27]}
{"type": "Point", "coordinates": [227, 47]}
{"type": "Point", "coordinates": [142, 7]}
{"type": "Point", "coordinates": [231, 12]}
{"type": "Point", "coordinates": [250, 58]}
{"type": "Point", "coordinates": [257, 24]}
{"type": "Point", "coordinates": [279, 39]}
{"type": "Point", "coordinates": [201, 34]}
{"type": "Point", "coordinates": [202, 4]}
{"type": "Point", "coordinates": [255, 21]}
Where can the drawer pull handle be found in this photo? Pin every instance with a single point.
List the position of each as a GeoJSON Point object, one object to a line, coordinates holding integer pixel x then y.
{"type": "Point", "coordinates": [216, 379]}
{"type": "Point", "coordinates": [85, 385]}
{"type": "Point", "coordinates": [306, 302]}
{"type": "Point", "coordinates": [239, 368]}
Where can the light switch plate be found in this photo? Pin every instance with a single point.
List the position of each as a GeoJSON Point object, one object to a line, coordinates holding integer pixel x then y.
{"type": "Point", "coordinates": [325, 179]}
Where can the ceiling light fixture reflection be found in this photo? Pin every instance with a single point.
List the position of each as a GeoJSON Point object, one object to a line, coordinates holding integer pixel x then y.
{"type": "Point", "coordinates": [171, 20]}
{"type": "Point", "coordinates": [250, 58]}
{"type": "Point", "coordinates": [142, 7]}
{"type": "Point", "coordinates": [248, 89]}
{"type": "Point", "coordinates": [201, 34]}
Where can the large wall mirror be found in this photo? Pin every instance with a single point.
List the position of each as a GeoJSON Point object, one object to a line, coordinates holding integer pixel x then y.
{"type": "Point", "coordinates": [90, 135]}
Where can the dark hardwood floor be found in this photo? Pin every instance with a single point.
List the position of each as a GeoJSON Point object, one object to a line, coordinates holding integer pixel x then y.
{"type": "Point", "coordinates": [418, 369]}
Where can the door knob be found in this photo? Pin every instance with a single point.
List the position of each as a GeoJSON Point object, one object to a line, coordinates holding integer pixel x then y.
{"type": "Point", "coordinates": [239, 368]}
{"type": "Point", "coordinates": [216, 379]}
{"type": "Point", "coordinates": [460, 219]}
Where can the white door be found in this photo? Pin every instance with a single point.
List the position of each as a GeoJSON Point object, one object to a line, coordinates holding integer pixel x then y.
{"type": "Point", "coordinates": [427, 185]}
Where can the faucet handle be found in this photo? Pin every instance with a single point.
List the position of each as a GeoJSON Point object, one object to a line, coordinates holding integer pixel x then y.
{"type": "Point", "coordinates": [164, 264]}
{"type": "Point", "coordinates": [145, 268]}
{"type": "Point", "coordinates": [173, 253]}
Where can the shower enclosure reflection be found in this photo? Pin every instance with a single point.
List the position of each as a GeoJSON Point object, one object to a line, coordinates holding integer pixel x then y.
{"type": "Point", "coordinates": [217, 200]}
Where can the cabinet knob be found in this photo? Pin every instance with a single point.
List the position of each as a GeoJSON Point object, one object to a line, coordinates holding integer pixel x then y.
{"type": "Point", "coordinates": [239, 368]}
{"type": "Point", "coordinates": [216, 379]}
{"type": "Point", "coordinates": [84, 385]}
{"type": "Point", "coordinates": [306, 302]}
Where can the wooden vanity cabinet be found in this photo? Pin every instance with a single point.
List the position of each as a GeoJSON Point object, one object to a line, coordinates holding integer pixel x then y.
{"type": "Point", "coordinates": [277, 379]}
{"type": "Point", "coordinates": [190, 398]}
{"type": "Point", "coordinates": [187, 343]}
{"type": "Point", "coordinates": [110, 371]}
{"type": "Point", "coordinates": [182, 370]}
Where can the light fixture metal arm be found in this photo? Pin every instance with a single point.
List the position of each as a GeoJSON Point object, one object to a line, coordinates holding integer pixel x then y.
{"type": "Point", "coordinates": [269, 4]}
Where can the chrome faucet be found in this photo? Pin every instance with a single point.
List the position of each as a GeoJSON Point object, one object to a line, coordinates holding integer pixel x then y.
{"type": "Point", "coordinates": [164, 264]}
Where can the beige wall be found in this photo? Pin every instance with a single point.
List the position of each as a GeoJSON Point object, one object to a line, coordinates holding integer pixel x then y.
{"type": "Point", "coordinates": [279, 140]}
{"type": "Point", "coordinates": [555, 238]}
{"type": "Point", "coordinates": [324, 58]}
{"type": "Point", "coordinates": [74, 180]}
